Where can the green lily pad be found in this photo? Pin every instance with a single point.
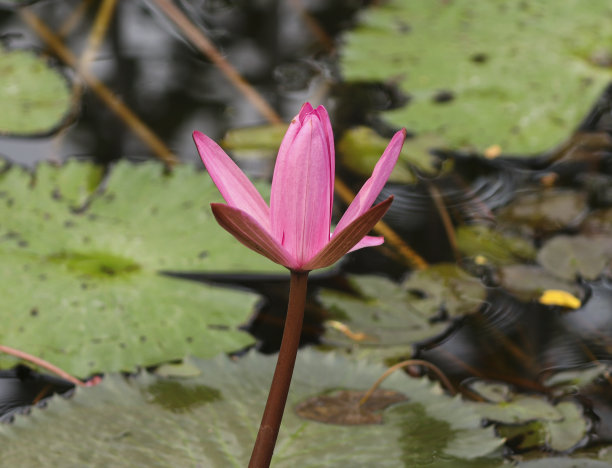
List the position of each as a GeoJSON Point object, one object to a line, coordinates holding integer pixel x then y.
{"type": "Point", "coordinates": [512, 408]}
{"type": "Point", "coordinates": [360, 149]}
{"type": "Point", "coordinates": [569, 380]}
{"type": "Point", "coordinates": [392, 316]}
{"type": "Point", "coordinates": [545, 211]}
{"type": "Point", "coordinates": [212, 421]}
{"type": "Point", "coordinates": [559, 436]}
{"type": "Point", "coordinates": [493, 246]}
{"type": "Point", "coordinates": [448, 289]}
{"type": "Point", "coordinates": [568, 257]}
{"type": "Point", "coordinates": [479, 73]}
{"type": "Point", "coordinates": [36, 97]}
{"type": "Point", "coordinates": [528, 282]}
{"type": "Point", "coordinates": [80, 281]}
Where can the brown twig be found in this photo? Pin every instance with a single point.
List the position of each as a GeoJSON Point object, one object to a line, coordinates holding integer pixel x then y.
{"type": "Point", "coordinates": [401, 365]}
{"type": "Point", "coordinates": [41, 363]}
{"type": "Point", "coordinates": [113, 102]}
{"type": "Point", "coordinates": [201, 42]}
{"type": "Point", "coordinates": [277, 398]}
{"type": "Point", "coordinates": [438, 200]}
{"type": "Point", "coordinates": [97, 33]}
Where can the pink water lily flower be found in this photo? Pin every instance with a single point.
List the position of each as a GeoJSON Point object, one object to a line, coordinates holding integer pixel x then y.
{"type": "Point", "coordinates": [294, 230]}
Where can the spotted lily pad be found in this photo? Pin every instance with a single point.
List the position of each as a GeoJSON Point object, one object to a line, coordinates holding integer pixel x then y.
{"type": "Point", "coordinates": [80, 275]}
{"type": "Point", "coordinates": [212, 421]}
{"type": "Point", "coordinates": [516, 75]}
{"type": "Point", "coordinates": [36, 97]}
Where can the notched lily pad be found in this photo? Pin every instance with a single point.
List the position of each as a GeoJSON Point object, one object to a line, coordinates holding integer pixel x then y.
{"type": "Point", "coordinates": [81, 267]}
{"type": "Point", "coordinates": [343, 408]}
{"type": "Point", "coordinates": [36, 97]}
{"type": "Point", "coordinates": [564, 435]}
{"type": "Point", "coordinates": [212, 421]}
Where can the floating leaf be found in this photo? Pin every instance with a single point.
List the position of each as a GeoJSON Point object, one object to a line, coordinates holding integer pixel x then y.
{"type": "Point", "coordinates": [36, 97]}
{"type": "Point", "coordinates": [479, 74]}
{"type": "Point", "coordinates": [560, 436]}
{"type": "Point", "coordinates": [528, 282]}
{"type": "Point", "coordinates": [212, 421]}
{"type": "Point", "coordinates": [576, 378]}
{"type": "Point", "coordinates": [545, 211]}
{"type": "Point", "coordinates": [557, 297]}
{"type": "Point", "coordinates": [81, 287]}
{"type": "Point", "coordinates": [514, 409]}
{"type": "Point", "coordinates": [390, 315]}
{"type": "Point", "coordinates": [569, 257]}
{"type": "Point", "coordinates": [493, 246]}
{"type": "Point", "coordinates": [447, 289]}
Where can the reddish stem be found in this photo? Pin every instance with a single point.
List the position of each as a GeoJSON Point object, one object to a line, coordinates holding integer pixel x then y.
{"type": "Point", "coordinates": [41, 363]}
{"type": "Point", "coordinates": [275, 406]}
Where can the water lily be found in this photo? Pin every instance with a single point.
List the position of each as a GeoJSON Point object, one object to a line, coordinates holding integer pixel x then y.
{"type": "Point", "coordinates": [294, 230]}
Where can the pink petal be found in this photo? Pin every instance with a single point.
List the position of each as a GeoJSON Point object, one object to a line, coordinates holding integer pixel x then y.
{"type": "Point", "coordinates": [236, 188]}
{"type": "Point", "coordinates": [348, 238]}
{"type": "Point", "coordinates": [321, 112]}
{"type": "Point", "coordinates": [249, 232]}
{"type": "Point", "coordinates": [370, 190]}
{"type": "Point", "coordinates": [301, 196]}
{"type": "Point", "coordinates": [368, 241]}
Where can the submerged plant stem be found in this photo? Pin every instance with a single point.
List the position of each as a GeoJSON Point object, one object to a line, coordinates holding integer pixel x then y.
{"type": "Point", "coordinates": [275, 406]}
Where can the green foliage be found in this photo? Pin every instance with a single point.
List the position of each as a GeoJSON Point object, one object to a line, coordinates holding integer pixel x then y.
{"type": "Point", "coordinates": [211, 420]}
{"type": "Point", "coordinates": [36, 98]}
{"type": "Point", "coordinates": [81, 267]}
{"type": "Point", "coordinates": [482, 73]}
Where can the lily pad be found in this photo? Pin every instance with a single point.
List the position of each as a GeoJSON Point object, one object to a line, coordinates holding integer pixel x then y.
{"type": "Point", "coordinates": [493, 246]}
{"type": "Point", "coordinates": [392, 316]}
{"type": "Point", "coordinates": [212, 421]}
{"type": "Point", "coordinates": [513, 408]}
{"type": "Point", "coordinates": [529, 282]}
{"type": "Point", "coordinates": [579, 256]}
{"type": "Point", "coordinates": [80, 271]}
{"type": "Point", "coordinates": [545, 211]}
{"type": "Point", "coordinates": [517, 75]}
{"type": "Point", "coordinates": [569, 432]}
{"type": "Point", "coordinates": [448, 289]}
{"type": "Point", "coordinates": [36, 97]}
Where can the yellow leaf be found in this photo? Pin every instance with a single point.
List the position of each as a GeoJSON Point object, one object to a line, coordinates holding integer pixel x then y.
{"type": "Point", "coordinates": [561, 298]}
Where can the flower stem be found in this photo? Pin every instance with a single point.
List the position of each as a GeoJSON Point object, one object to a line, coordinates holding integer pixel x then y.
{"type": "Point", "coordinates": [275, 406]}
